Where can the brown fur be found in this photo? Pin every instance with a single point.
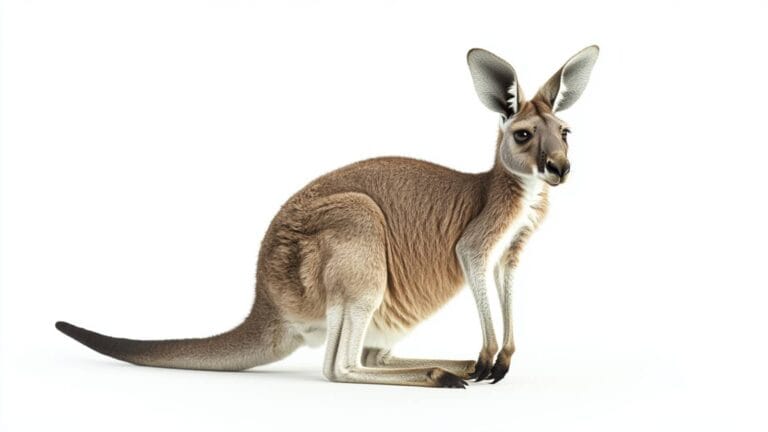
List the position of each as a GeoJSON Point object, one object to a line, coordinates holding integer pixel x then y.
{"type": "Point", "coordinates": [422, 268]}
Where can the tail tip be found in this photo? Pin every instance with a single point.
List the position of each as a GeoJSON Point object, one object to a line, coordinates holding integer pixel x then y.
{"type": "Point", "coordinates": [64, 327]}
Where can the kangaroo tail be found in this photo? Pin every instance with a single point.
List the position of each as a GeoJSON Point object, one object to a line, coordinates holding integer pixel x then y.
{"type": "Point", "coordinates": [262, 338]}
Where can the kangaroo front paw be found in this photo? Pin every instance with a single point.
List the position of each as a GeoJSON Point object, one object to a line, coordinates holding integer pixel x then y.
{"type": "Point", "coordinates": [501, 367]}
{"type": "Point", "coordinates": [482, 368]}
{"type": "Point", "coordinates": [443, 378]}
{"type": "Point", "coordinates": [498, 372]}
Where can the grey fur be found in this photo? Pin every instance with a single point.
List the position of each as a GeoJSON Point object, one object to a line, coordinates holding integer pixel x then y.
{"type": "Point", "coordinates": [495, 82]}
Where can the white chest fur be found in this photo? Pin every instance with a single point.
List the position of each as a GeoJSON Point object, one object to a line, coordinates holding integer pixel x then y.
{"type": "Point", "coordinates": [526, 217]}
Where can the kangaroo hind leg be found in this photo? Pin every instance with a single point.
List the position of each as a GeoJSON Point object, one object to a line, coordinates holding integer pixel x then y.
{"type": "Point", "coordinates": [379, 357]}
{"type": "Point", "coordinates": [346, 327]}
{"type": "Point", "coordinates": [355, 279]}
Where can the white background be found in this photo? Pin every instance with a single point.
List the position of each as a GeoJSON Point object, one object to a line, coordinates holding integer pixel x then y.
{"type": "Point", "coordinates": [147, 144]}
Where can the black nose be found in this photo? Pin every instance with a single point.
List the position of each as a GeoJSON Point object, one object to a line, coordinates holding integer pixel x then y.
{"type": "Point", "coordinates": [558, 168]}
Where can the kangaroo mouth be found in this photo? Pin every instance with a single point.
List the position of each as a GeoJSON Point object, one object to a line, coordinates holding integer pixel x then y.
{"type": "Point", "coordinates": [552, 179]}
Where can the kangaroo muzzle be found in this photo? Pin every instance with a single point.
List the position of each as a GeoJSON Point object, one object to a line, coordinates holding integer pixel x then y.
{"type": "Point", "coordinates": [556, 169]}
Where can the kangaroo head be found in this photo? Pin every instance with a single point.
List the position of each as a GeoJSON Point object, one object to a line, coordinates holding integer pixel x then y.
{"type": "Point", "coordinates": [533, 141]}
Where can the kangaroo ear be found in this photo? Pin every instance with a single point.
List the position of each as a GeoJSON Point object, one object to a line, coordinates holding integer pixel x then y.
{"type": "Point", "coordinates": [567, 84]}
{"type": "Point", "coordinates": [495, 82]}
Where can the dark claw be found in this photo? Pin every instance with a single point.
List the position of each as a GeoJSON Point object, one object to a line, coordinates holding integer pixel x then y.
{"type": "Point", "coordinates": [482, 370]}
{"type": "Point", "coordinates": [484, 375]}
{"type": "Point", "coordinates": [451, 381]}
{"type": "Point", "coordinates": [498, 372]}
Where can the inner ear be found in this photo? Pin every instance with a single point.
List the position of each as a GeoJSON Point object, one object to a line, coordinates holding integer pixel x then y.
{"type": "Point", "coordinates": [495, 82]}
{"type": "Point", "coordinates": [513, 101]}
{"type": "Point", "coordinates": [564, 88]}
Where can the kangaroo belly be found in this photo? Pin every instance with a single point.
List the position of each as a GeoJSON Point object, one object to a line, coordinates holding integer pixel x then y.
{"type": "Point", "coordinates": [415, 292]}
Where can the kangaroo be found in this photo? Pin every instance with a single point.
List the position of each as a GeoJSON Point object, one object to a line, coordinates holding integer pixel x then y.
{"type": "Point", "coordinates": [361, 255]}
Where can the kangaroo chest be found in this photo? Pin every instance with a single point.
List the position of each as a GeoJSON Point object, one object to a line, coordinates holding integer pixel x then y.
{"type": "Point", "coordinates": [524, 217]}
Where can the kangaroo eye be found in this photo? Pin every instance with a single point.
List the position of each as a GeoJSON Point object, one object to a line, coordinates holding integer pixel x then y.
{"type": "Point", "coordinates": [522, 136]}
{"type": "Point", "coordinates": [565, 134]}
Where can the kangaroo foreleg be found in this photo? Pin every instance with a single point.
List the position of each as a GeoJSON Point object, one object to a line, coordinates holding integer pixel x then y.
{"type": "Point", "coordinates": [474, 264]}
{"type": "Point", "coordinates": [504, 276]}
